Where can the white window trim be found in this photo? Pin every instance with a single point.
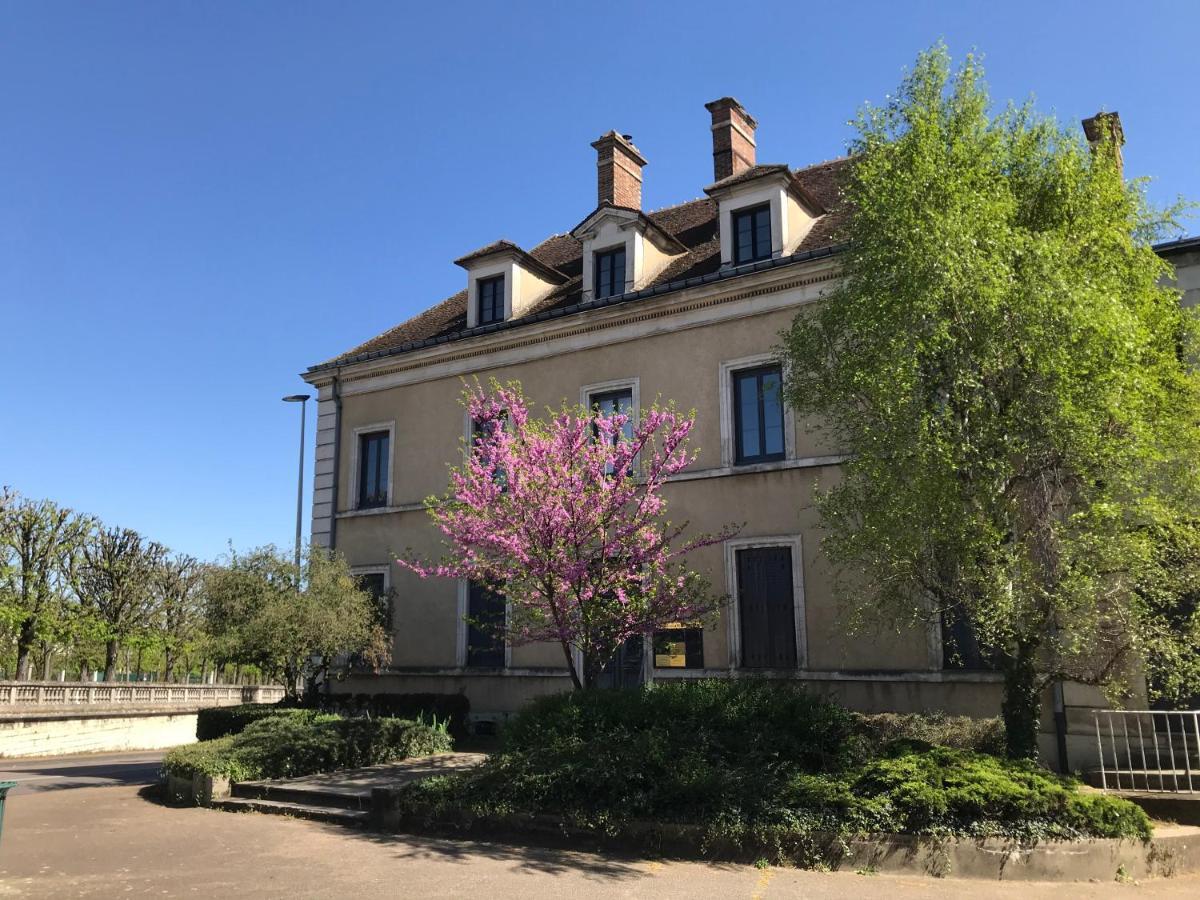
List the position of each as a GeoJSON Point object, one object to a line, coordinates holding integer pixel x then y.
{"type": "Point", "coordinates": [460, 649]}
{"type": "Point", "coordinates": [356, 455]}
{"type": "Point", "coordinates": [482, 272]}
{"type": "Point", "coordinates": [383, 569]}
{"type": "Point", "coordinates": [728, 439]}
{"type": "Point", "coordinates": [604, 387]}
{"type": "Point", "coordinates": [773, 196]}
{"type": "Point", "coordinates": [796, 545]}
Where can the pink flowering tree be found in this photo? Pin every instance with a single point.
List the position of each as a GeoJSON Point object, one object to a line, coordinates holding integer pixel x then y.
{"type": "Point", "coordinates": [565, 518]}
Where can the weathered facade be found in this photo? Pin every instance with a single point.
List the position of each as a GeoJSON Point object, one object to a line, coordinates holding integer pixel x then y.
{"type": "Point", "coordinates": [683, 304]}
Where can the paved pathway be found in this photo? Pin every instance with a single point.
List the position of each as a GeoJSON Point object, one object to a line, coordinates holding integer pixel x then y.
{"type": "Point", "coordinates": [360, 781]}
{"type": "Point", "coordinates": [52, 773]}
{"type": "Point", "coordinates": [100, 842]}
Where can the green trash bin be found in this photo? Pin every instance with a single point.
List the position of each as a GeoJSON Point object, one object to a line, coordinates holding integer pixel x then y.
{"type": "Point", "coordinates": [5, 787]}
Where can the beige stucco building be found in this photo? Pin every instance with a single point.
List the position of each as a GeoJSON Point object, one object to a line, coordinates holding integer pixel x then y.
{"type": "Point", "coordinates": [683, 304]}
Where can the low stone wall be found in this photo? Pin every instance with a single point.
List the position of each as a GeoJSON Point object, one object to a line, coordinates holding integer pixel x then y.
{"type": "Point", "coordinates": [61, 734]}
{"type": "Point", "coordinates": [48, 718]}
{"type": "Point", "coordinates": [199, 790]}
{"type": "Point", "coordinates": [1174, 850]}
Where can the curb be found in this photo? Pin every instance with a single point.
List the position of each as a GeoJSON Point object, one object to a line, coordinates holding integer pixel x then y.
{"type": "Point", "coordinates": [1175, 850]}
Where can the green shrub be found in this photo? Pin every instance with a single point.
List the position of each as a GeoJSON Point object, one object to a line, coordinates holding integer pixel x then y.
{"type": "Point", "coordinates": [222, 720]}
{"type": "Point", "coordinates": [761, 765]}
{"type": "Point", "coordinates": [939, 790]}
{"type": "Point", "coordinates": [451, 708]}
{"type": "Point", "coordinates": [960, 732]}
{"type": "Point", "coordinates": [283, 746]}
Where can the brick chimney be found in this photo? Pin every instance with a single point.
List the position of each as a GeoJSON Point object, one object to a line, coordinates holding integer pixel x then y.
{"type": "Point", "coordinates": [618, 170]}
{"type": "Point", "coordinates": [733, 137]}
{"type": "Point", "coordinates": [1106, 126]}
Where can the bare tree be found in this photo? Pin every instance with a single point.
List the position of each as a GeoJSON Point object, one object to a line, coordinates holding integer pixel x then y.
{"type": "Point", "coordinates": [115, 581]}
{"type": "Point", "coordinates": [178, 608]}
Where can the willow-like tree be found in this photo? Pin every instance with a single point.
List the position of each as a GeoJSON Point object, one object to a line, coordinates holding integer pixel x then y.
{"type": "Point", "coordinates": [564, 518]}
{"type": "Point", "coordinates": [292, 625]}
{"type": "Point", "coordinates": [1014, 387]}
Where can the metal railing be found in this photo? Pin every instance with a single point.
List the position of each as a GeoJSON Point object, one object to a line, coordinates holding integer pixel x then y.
{"type": "Point", "coordinates": [1149, 749]}
{"type": "Point", "coordinates": [32, 694]}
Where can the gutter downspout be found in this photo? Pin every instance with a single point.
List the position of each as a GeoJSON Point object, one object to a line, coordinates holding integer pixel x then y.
{"type": "Point", "coordinates": [337, 458]}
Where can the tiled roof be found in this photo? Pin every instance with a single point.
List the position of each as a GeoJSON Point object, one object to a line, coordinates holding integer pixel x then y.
{"type": "Point", "coordinates": [693, 224]}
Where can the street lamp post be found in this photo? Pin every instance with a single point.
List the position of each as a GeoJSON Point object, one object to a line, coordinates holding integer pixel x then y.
{"type": "Point", "coordinates": [299, 398]}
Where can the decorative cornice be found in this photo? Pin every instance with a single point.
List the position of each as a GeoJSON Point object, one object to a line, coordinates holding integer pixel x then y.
{"type": "Point", "coordinates": [586, 327]}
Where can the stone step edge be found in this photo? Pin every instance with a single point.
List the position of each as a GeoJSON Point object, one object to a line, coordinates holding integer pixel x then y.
{"type": "Point", "coordinates": [298, 810]}
{"type": "Point", "coordinates": [261, 790]}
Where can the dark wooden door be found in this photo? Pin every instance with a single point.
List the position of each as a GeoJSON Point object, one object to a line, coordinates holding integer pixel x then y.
{"type": "Point", "coordinates": [766, 608]}
{"type": "Point", "coordinates": [627, 668]}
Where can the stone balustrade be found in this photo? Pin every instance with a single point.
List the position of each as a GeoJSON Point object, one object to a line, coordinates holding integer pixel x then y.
{"type": "Point", "coordinates": [16, 696]}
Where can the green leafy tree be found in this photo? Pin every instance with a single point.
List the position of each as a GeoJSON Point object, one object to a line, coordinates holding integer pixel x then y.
{"type": "Point", "coordinates": [178, 614]}
{"type": "Point", "coordinates": [1013, 385]}
{"type": "Point", "coordinates": [114, 582]}
{"type": "Point", "coordinates": [40, 544]}
{"type": "Point", "coordinates": [259, 612]}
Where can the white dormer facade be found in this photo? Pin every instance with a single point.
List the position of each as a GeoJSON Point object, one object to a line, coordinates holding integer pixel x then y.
{"type": "Point", "coordinates": [524, 281]}
{"type": "Point", "coordinates": [792, 213]}
{"type": "Point", "coordinates": [647, 248]}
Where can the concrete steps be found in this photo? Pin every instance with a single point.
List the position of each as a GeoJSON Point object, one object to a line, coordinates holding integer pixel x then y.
{"type": "Point", "coordinates": [286, 792]}
{"type": "Point", "coordinates": [334, 814]}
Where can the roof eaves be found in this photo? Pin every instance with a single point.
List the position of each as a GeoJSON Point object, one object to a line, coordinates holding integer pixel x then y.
{"type": "Point", "coordinates": [583, 306]}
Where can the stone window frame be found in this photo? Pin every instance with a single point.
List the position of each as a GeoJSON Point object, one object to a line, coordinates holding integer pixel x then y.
{"type": "Point", "coordinates": [795, 543]}
{"type": "Point", "coordinates": [356, 457]}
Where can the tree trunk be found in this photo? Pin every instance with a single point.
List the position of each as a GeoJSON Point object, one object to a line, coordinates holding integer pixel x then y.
{"type": "Point", "coordinates": [169, 666]}
{"type": "Point", "coordinates": [571, 665]}
{"type": "Point", "coordinates": [47, 659]}
{"type": "Point", "coordinates": [137, 669]}
{"type": "Point", "coordinates": [110, 660]}
{"type": "Point", "coordinates": [25, 641]}
{"type": "Point", "coordinates": [1022, 707]}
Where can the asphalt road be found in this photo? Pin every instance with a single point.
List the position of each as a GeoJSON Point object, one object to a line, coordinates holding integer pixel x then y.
{"type": "Point", "coordinates": [53, 773]}
{"type": "Point", "coordinates": [84, 826]}
{"type": "Point", "coordinates": [115, 842]}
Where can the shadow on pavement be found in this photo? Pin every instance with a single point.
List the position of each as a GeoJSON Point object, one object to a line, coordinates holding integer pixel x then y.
{"type": "Point", "coordinates": [541, 858]}
{"type": "Point", "coordinates": [56, 777]}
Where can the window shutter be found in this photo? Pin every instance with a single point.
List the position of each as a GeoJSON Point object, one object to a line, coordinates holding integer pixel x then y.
{"type": "Point", "coordinates": [766, 608]}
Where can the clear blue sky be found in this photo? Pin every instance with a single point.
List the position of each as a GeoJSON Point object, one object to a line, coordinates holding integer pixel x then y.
{"type": "Point", "coordinates": [199, 200]}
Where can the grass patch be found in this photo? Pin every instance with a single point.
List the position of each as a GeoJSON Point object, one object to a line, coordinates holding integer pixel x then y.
{"type": "Point", "coordinates": [283, 746]}
{"type": "Point", "coordinates": [758, 766]}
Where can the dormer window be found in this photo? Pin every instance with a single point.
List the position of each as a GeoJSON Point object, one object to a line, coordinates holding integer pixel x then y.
{"type": "Point", "coordinates": [609, 270]}
{"type": "Point", "coordinates": [491, 300]}
{"type": "Point", "coordinates": [752, 234]}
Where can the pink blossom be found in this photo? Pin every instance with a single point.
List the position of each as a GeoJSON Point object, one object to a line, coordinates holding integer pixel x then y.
{"type": "Point", "coordinates": [563, 516]}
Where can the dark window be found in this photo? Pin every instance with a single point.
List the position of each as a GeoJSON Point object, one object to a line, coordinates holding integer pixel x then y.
{"type": "Point", "coordinates": [374, 584]}
{"type": "Point", "coordinates": [766, 608]}
{"type": "Point", "coordinates": [491, 300]}
{"type": "Point", "coordinates": [611, 403]}
{"type": "Point", "coordinates": [610, 273]}
{"type": "Point", "coordinates": [478, 435]}
{"type": "Point", "coordinates": [751, 234]}
{"type": "Point", "coordinates": [679, 647]}
{"type": "Point", "coordinates": [758, 414]}
{"type": "Point", "coordinates": [372, 469]}
{"type": "Point", "coordinates": [960, 646]}
{"type": "Point", "coordinates": [485, 624]}
{"type": "Point", "coordinates": [627, 668]}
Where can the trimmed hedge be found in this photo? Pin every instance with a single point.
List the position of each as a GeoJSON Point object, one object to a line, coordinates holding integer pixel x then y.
{"type": "Point", "coordinates": [758, 765]}
{"type": "Point", "coordinates": [959, 732]}
{"type": "Point", "coordinates": [450, 708]}
{"type": "Point", "coordinates": [219, 721]}
{"type": "Point", "coordinates": [288, 745]}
